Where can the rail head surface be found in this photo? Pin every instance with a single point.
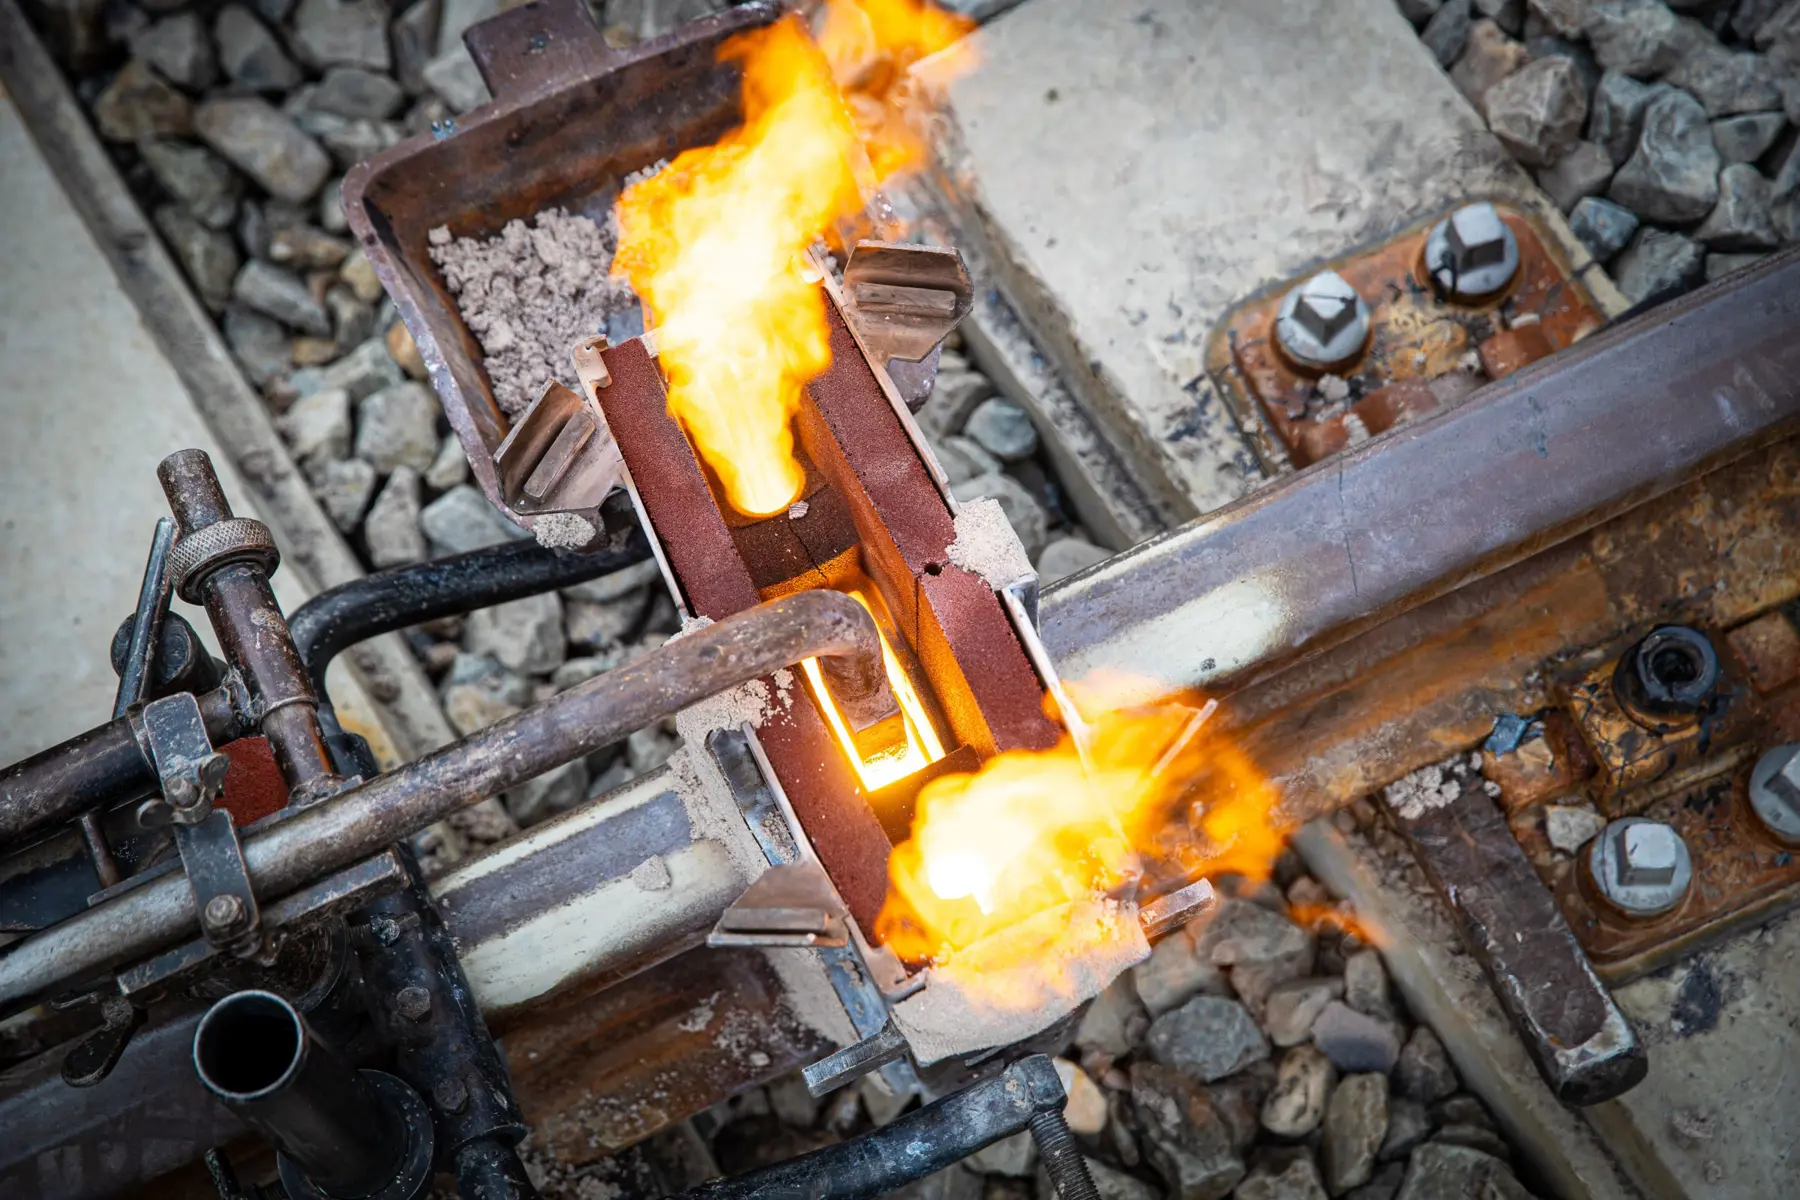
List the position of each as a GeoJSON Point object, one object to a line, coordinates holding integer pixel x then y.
{"type": "Point", "coordinates": [1528, 462]}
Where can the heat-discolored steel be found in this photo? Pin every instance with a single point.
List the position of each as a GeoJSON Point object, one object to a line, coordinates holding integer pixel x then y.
{"type": "Point", "coordinates": [1419, 336]}
{"type": "Point", "coordinates": [571, 117]}
{"type": "Point", "coordinates": [600, 1071]}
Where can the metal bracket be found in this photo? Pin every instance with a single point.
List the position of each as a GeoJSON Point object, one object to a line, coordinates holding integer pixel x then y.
{"type": "Point", "coordinates": [94, 1057]}
{"type": "Point", "coordinates": [832, 1072]}
{"type": "Point", "coordinates": [788, 905]}
{"type": "Point", "coordinates": [772, 823]}
{"type": "Point", "coordinates": [191, 773]}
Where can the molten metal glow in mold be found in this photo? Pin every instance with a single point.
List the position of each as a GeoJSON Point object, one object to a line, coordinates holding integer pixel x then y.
{"type": "Point", "coordinates": [714, 244]}
{"type": "Point", "coordinates": [922, 746]}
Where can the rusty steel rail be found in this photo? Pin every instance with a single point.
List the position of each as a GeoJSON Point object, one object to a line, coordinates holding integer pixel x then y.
{"type": "Point", "coordinates": [1528, 462]}
{"type": "Point", "coordinates": [296, 848]}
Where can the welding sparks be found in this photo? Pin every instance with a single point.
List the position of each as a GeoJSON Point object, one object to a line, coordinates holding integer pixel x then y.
{"type": "Point", "coordinates": [714, 245]}
{"type": "Point", "coordinates": [1038, 831]}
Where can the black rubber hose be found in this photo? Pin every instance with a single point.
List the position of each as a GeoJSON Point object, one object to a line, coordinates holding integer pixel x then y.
{"type": "Point", "coordinates": [401, 597]}
{"type": "Point", "coordinates": [912, 1147]}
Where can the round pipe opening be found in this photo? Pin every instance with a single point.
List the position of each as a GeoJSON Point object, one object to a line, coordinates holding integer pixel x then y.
{"type": "Point", "coordinates": [248, 1045]}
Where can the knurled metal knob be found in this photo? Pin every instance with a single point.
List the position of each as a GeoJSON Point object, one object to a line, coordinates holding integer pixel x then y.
{"type": "Point", "coordinates": [200, 553]}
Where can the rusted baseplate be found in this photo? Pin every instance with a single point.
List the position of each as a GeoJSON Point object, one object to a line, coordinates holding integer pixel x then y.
{"type": "Point", "coordinates": [1721, 554]}
{"type": "Point", "coordinates": [1424, 352]}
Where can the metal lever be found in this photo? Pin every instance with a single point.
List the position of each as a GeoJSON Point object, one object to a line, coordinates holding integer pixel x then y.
{"type": "Point", "coordinates": [192, 773]}
{"type": "Point", "coordinates": [94, 1057]}
{"type": "Point", "coordinates": [1582, 1043]}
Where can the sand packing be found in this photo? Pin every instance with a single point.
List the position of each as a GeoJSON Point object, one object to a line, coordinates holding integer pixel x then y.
{"type": "Point", "coordinates": [529, 294]}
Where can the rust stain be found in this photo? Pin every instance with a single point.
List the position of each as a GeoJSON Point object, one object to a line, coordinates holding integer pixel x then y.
{"type": "Point", "coordinates": [1416, 338]}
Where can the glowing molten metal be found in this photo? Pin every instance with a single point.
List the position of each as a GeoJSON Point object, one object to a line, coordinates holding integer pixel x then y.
{"type": "Point", "coordinates": [714, 244]}
{"type": "Point", "coordinates": [921, 747]}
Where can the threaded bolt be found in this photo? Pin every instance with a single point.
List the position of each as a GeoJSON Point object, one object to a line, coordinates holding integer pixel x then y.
{"type": "Point", "coordinates": [1063, 1160]}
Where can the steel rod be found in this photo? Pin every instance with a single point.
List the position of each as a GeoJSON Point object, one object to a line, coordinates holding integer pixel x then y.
{"type": "Point", "coordinates": [912, 1147]}
{"type": "Point", "coordinates": [251, 628]}
{"type": "Point", "coordinates": [356, 823]}
{"type": "Point", "coordinates": [97, 769]}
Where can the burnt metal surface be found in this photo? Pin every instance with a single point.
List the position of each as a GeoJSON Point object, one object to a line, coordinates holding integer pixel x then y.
{"type": "Point", "coordinates": [600, 1071]}
{"type": "Point", "coordinates": [571, 117]}
{"type": "Point", "coordinates": [296, 846]}
{"type": "Point", "coordinates": [1418, 336]}
{"type": "Point", "coordinates": [1581, 1042]}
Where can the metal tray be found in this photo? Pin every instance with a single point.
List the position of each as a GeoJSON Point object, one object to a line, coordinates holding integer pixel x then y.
{"type": "Point", "coordinates": [570, 118]}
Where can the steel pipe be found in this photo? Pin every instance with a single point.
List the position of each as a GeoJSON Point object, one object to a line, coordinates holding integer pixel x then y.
{"type": "Point", "coordinates": [98, 769]}
{"type": "Point", "coordinates": [257, 1054]}
{"type": "Point", "coordinates": [356, 823]}
{"type": "Point", "coordinates": [249, 623]}
{"type": "Point", "coordinates": [1536, 458]}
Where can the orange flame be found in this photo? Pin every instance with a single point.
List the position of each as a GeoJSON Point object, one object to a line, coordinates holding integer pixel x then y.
{"type": "Point", "coordinates": [715, 244]}
{"type": "Point", "coordinates": [1058, 829]}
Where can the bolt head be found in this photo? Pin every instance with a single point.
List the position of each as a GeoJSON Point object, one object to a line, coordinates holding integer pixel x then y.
{"type": "Point", "coordinates": [450, 1094]}
{"type": "Point", "coordinates": [1673, 672]}
{"type": "Point", "coordinates": [1647, 854]}
{"type": "Point", "coordinates": [224, 911]}
{"type": "Point", "coordinates": [1323, 322]}
{"type": "Point", "coordinates": [1775, 792]}
{"type": "Point", "coordinates": [412, 1002]}
{"type": "Point", "coordinates": [1640, 866]}
{"type": "Point", "coordinates": [180, 792]}
{"type": "Point", "coordinates": [1473, 253]}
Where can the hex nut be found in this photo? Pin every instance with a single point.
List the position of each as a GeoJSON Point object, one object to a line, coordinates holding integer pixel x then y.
{"type": "Point", "coordinates": [1639, 866]}
{"type": "Point", "coordinates": [1472, 254]}
{"type": "Point", "coordinates": [1774, 792]}
{"type": "Point", "coordinates": [1670, 675]}
{"type": "Point", "coordinates": [1323, 322]}
{"type": "Point", "coordinates": [223, 912]}
{"type": "Point", "coordinates": [412, 1002]}
{"type": "Point", "coordinates": [450, 1094]}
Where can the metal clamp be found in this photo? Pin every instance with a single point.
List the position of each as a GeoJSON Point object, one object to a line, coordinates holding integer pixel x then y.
{"type": "Point", "coordinates": [192, 773]}
{"type": "Point", "coordinates": [790, 904]}
{"type": "Point", "coordinates": [200, 553]}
